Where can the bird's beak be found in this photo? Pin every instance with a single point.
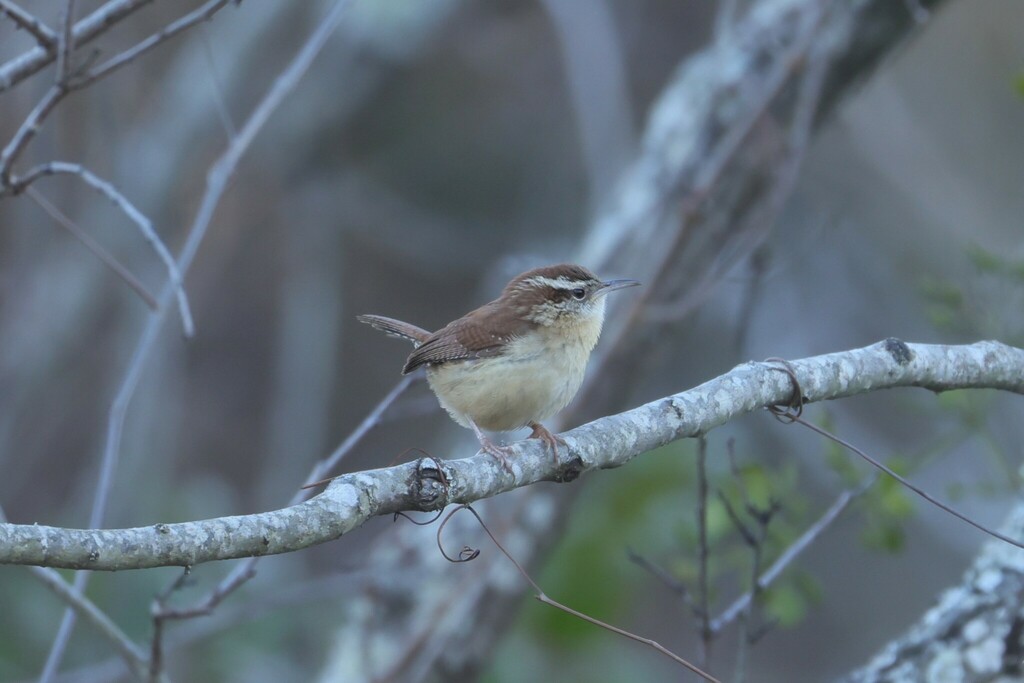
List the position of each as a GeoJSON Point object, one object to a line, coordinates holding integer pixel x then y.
{"type": "Point", "coordinates": [612, 285]}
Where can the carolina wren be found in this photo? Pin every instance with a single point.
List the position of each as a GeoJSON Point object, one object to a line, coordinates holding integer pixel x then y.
{"type": "Point", "coordinates": [516, 360]}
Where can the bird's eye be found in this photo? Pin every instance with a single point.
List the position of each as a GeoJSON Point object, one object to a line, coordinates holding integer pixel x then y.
{"type": "Point", "coordinates": [579, 294]}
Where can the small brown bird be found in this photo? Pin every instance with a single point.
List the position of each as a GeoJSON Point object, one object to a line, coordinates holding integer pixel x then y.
{"type": "Point", "coordinates": [517, 360]}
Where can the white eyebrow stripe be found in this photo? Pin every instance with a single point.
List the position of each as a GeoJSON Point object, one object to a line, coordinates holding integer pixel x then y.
{"type": "Point", "coordinates": [555, 283]}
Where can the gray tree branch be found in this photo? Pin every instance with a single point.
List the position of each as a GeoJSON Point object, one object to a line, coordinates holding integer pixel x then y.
{"type": "Point", "coordinates": [40, 31]}
{"type": "Point", "coordinates": [973, 633]}
{"type": "Point", "coordinates": [430, 484]}
{"type": "Point", "coordinates": [85, 30]}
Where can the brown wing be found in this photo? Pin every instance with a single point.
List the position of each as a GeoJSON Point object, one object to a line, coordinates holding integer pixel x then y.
{"type": "Point", "coordinates": [483, 333]}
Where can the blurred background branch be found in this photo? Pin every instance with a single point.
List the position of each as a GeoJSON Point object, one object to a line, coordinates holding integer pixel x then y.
{"type": "Point", "coordinates": [734, 156]}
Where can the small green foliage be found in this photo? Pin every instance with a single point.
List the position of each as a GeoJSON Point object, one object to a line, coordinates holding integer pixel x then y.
{"type": "Point", "coordinates": [719, 524]}
{"type": "Point", "coordinates": [893, 499]}
{"type": "Point", "coordinates": [986, 305]}
{"type": "Point", "coordinates": [984, 261]}
{"type": "Point", "coordinates": [991, 263]}
{"type": "Point", "coordinates": [784, 603]}
{"type": "Point", "coordinates": [589, 568]}
{"type": "Point", "coordinates": [757, 483]}
{"type": "Point", "coordinates": [1018, 84]}
{"type": "Point", "coordinates": [989, 489]}
{"type": "Point", "coordinates": [787, 603]}
{"type": "Point", "coordinates": [884, 534]}
{"type": "Point", "coordinates": [651, 481]}
{"type": "Point", "coordinates": [970, 407]}
{"type": "Point", "coordinates": [957, 401]}
{"type": "Point", "coordinates": [839, 460]}
{"type": "Point", "coordinates": [807, 585]}
{"type": "Point", "coordinates": [591, 589]}
{"type": "Point", "coordinates": [888, 504]}
{"type": "Point", "coordinates": [944, 303]}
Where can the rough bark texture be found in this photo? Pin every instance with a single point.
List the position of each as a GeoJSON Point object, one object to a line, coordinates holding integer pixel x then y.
{"type": "Point", "coordinates": [974, 633]}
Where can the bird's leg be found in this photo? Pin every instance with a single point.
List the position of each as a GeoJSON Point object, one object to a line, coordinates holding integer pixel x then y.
{"type": "Point", "coordinates": [550, 440]}
{"type": "Point", "coordinates": [500, 453]}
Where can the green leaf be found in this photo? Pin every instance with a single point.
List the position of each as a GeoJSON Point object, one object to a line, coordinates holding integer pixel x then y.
{"type": "Point", "coordinates": [719, 523]}
{"type": "Point", "coordinates": [808, 586]}
{"type": "Point", "coordinates": [884, 534]}
{"type": "Point", "coordinates": [955, 400]}
{"type": "Point", "coordinates": [956, 491]}
{"type": "Point", "coordinates": [838, 458]}
{"type": "Point", "coordinates": [942, 293]}
{"type": "Point", "coordinates": [585, 578]}
{"type": "Point", "coordinates": [784, 603]}
{"type": "Point", "coordinates": [1018, 84]}
{"type": "Point", "coordinates": [971, 407]}
{"type": "Point", "coordinates": [896, 502]}
{"type": "Point", "coordinates": [984, 260]}
{"type": "Point", "coordinates": [662, 472]}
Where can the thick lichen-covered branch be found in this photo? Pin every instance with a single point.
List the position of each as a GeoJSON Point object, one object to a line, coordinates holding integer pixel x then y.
{"type": "Point", "coordinates": [429, 484]}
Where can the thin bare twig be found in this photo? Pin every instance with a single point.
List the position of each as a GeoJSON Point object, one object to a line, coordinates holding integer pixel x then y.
{"type": "Point", "coordinates": [247, 569]}
{"type": "Point", "coordinates": [196, 16]}
{"type": "Point", "coordinates": [28, 130]}
{"type": "Point", "coordinates": [662, 574]}
{"type": "Point", "coordinates": [217, 179]}
{"type": "Point", "coordinates": [67, 82]}
{"type": "Point", "coordinates": [160, 613]}
{"type": "Point", "coordinates": [286, 595]}
{"type": "Point", "coordinates": [157, 609]}
{"type": "Point", "coordinates": [140, 219]}
{"type": "Point", "coordinates": [793, 411]}
{"type": "Point", "coordinates": [45, 35]}
{"type": "Point", "coordinates": [913, 487]}
{"type": "Point", "coordinates": [218, 85]}
{"type": "Point", "coordinates": [755, 540]}
{"type": "Point", "coordinates": [128, 651]}
{"type": "Point", "coordinates": [31, 61]}
{"type": "Point", "coordinates": [92, 245]}
{"type": "Point", "coordinates": [703, 551]}
{"type": "Point", "coordinates": [692, 199]}
{"type": "Point", "coordinates": [809, 536]}
{"type": "Point", "coordinates": [467, 554]}
{"type": "Point", "coordinates": [369, 422]}
{"type": "Point", "coordinates": [805, 111]}
{"type": "Point", "coordinates": [808, 57]}
{"type": "Point", "coordinates": [66, 43]}
{"type": "Point", "coordinates": [813, 532]}
{"type": "Point", "coordinates": [131, 653]}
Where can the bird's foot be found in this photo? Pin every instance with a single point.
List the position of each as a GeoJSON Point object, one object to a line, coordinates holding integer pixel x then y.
{"type": "Point", "coordinates": [550, 440]}
{"type": "Point", "coordinates": [499, 453]}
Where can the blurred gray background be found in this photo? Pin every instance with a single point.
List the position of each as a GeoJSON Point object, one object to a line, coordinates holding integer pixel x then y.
{"type": "Point", "coordinates": [433, 151]}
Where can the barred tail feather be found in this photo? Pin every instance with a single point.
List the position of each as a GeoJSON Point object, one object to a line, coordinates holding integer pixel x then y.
{"type": "Point", "coordinates": [395, 328]}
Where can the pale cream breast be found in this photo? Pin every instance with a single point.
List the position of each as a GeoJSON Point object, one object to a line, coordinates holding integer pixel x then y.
{"type": "Point", "coordinates": [537, 376]}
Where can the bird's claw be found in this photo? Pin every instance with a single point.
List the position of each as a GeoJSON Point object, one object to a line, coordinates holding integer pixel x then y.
{"type": "Point", "coordinates": [499, 453]}
{"type": "Point", "coordinates": [550, 440]}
